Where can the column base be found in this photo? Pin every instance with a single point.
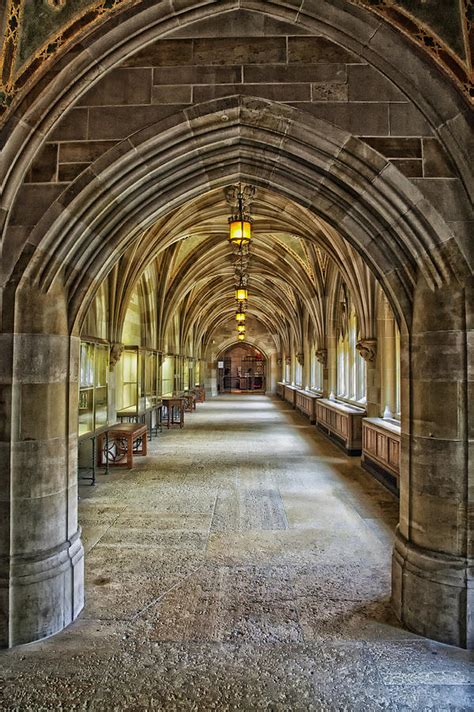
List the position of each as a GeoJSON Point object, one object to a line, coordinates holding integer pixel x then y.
{"type": "Point", "coordinates": [433, 593]}
{"type": "Point", "coordinates": [44, 594]}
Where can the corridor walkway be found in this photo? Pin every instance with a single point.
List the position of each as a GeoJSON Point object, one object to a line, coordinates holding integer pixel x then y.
{"type": "Point", "coordinates": [243, 565]}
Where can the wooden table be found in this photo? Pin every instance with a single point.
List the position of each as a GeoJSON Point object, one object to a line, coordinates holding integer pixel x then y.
{"type": "Point", "coordinates": [189, 402]}
{"type": "Point", "coordinates": [122, 442]}
{"type": "Point", "coordinates": [174, 412]}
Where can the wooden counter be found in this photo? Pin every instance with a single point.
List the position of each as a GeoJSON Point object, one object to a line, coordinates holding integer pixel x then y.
{"type": "Point", "coordinates": [342, 422]}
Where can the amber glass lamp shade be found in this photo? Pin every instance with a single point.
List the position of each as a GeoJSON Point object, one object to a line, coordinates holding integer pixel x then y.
{"type": "Point", "coordinates": [240, 317]}
{"type": "Point", "coordinates": [241, 294]}
{"type": "Point", "coordinates": [241, 337]}
{"type": "Point", "coordinates": [241, 328]}
{"type": "Point", "coordinates": [239, 231]}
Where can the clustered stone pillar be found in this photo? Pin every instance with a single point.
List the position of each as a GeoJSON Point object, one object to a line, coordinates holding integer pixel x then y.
{"type": "Point", "coordinates": [433, 586]}
{"type": "Point", "coordinates": [41, 555]}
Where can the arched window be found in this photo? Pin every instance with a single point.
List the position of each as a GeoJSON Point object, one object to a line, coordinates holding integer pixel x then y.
{"type": "Point", "coordinates": [351, 367]}
{"type": "Point", "coordinates": [316, 373]}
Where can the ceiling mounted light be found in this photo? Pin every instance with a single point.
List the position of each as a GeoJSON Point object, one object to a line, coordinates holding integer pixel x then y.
{"type": "Point", "coordinates": [240, 316]}
{"type": "Point", "coordinates": [241, 337]}
{"type": "Point", "coordinates": [240, 225]}
{"type": "Point", "coordinates": [241, 328]}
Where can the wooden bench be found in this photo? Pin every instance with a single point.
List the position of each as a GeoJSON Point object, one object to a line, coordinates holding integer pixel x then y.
{"type": "Point", "coordinates": [120, 442]}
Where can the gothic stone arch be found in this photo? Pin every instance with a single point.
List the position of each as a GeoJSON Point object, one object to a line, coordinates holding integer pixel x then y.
{"type": "Point", "coordinates": [52, 268]}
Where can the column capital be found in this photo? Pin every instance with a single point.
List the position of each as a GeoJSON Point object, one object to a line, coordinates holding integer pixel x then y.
{"type": "Point", "coordinates": [367, 348]}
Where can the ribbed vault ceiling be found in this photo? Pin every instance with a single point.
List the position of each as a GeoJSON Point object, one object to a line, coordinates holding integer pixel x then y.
{"type": "Point", "coordinates": [295, 258]}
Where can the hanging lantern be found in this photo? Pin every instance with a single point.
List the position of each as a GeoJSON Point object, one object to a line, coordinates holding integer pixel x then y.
{"type": "Point", "coordinates": [240, 225]}
{"type": "Point", "coordinates": [241, 294]}
{"type": "Point", "coordinates": [241, 337]}
{"type": "Point", "coordinates": [240, 317]}
{"type": "Point", "coordinates": [241, 328]}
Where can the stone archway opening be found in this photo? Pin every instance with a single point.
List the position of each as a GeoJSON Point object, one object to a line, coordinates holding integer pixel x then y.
{"type": "Point", "coordinates": [356, 193]}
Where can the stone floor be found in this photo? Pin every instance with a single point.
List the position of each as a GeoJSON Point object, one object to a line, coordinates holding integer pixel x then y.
{"type": "Point", "coordinates": [243, 565]}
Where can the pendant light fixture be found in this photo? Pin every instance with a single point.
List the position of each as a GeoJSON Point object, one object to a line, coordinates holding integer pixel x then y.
{"type": "Point", "coordinates": [241, 337]}
{"type": "Point", "coordinates": [240, 224]}
{"type": "Point", "coordinates": [241, 328]}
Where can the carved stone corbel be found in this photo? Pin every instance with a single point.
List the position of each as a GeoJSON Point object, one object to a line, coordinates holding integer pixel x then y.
{"type": "Point", "coordinates": [116, 350]}
{"type": "Point", "coordinates": [367, 348]}
{"type": "Point", "coordinates": [288, 361]}
{"type": "Point", "coordinates": [300, 358]}
{"type": "Point", "coordinates": [322, 356]}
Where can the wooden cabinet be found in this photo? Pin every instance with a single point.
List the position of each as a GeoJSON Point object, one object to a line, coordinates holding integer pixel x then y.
{"type": "Point", "coordinates": [306, 403]}
{"type": "Point", "coordinates": [381, 450]}
{"type": "Point", "coordinates": [342, 422]}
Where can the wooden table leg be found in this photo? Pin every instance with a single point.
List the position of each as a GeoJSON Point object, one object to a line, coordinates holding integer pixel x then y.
{"type": "Point", "coordinates": [130, 451]}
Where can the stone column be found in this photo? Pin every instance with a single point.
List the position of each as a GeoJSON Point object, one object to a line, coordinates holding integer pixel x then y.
{"type": "Point", "coordinates": [367, 348]}
{"type": "Point", "coordinates": [433, 562]}
{"type": "Point", "coordinates": [330, 383]}
{"type": "Point", "coordinates": [41, 555]}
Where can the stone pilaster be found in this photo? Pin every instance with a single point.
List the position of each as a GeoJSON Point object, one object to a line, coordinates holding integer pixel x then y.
{"type": "Point", "coordinates": [41, 555]}
{"type": "Point", "coordinates": [433, 558]}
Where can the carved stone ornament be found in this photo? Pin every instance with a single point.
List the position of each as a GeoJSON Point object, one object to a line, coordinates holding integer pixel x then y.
{"type": "Point", "coordinates": [367, 348]}
{"type": "Point", "coordinates": [279, 361]}
{"type": "Point", "coordinates": [322, 356]}
{"type": "Point", "coordinates": [248, 194]}
{"type": "Point", "coordinates": [116, 351]}
{"type": "Point", "coordinates": [300, 359]}
{"type": "Point", "coordinates": [288, 361]}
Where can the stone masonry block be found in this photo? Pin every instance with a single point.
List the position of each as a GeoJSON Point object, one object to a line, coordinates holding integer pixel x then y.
{"type": "Point", "coordinates": [124, 85]}
{"type": "Point", "coordinates": [172, 94]}
{"type": "Point", "coordinates": [44, 167]}
{"type": "Point", "coordinates": [436, 163]}
{"type": "Point", "coordinates": [282, 73]}
{"type": "Point", "coordinates": [367, 84]}
{"type": "Point", "coordinates": [261, 50]}
{"type": "Point", "coordinates": [120, 121]}
{"type": "Point", "coordinates": [275, 92]}
{"type": "Point", "coordinates": [197, 75]}
{"type": "Point", "coordinates": [162, 53]}
{"type": "Point", "coordinates": [309, 50]}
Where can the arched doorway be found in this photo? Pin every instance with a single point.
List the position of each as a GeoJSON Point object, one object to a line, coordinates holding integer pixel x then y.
{"type": "Point", "coordinates": [241, 369]}
{"type": "Point", "coordinates": [78, 234]}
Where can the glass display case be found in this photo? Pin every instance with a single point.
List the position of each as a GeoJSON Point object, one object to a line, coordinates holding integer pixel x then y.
{"type": "Point", "coordinates": [128, 384]}
{"type": "Point", "coordinates": [167, 375]}
{"type": "Point", "coordinates": [93, 387]}
{"type": "Point", "coordinates": [137, 381]}
{"type": "Point", "coordinates": [150, 378]}
{"type": "Point", "coordinates": [186, 381]}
